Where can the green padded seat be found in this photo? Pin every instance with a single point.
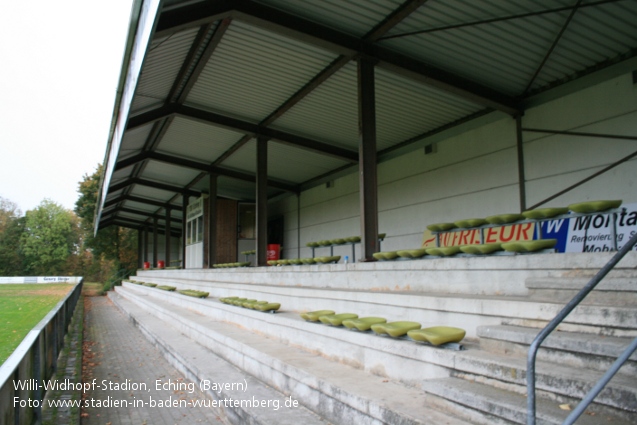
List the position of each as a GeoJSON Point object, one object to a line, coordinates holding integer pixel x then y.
{"type": "Point", "coordinates": [328, 259]}
{"type": "Point", "coordinates": [283, 262]}
{"type": "Point", "coordinates": [253, 306]}
{"type": "Point", "coordinates": [243, 303]}
{"type": "Point", "coordinates": [237, 301]}
{"type": "Point", "coordinates": [337, 319]}
{"type": "Point", "coordinates": [295, 261]}
{"type": "Point", "coordinates": [382, 236]}
{"type": "Point", "coordinates": [437, 335]}
{"type": "Point", "coordinates": [245, 264]}
{"type": "Point", "coordinates": [529, 246]}
{"type": "Point", "coordinates": [312, 244]}
{"type": "Point", "coordinates": [543, 213]}
{"type": "Point", "coordinates": [395, 329]}
{"type": "Point", "coordinates": [390, 255]}
{"type": "Point", "coordinates": [482, 249]}
{"type": "Point", "coordinates": [504, 218]}
{"type": "Point", "coordinates": [470, 222]}
{"type": "Point", "coordinates": [379, 256]}
{"type": "Point", "coordinates": [167, 288]}
{"type": "Point", "coordinates": [353, 239]}
{"type": "Point", "coordinates": [594, 206]}
{"type": "Point", "coordinates": [412, 253]}
{"type": "Point", "coordinates": [338, 241]}
{"type": "Point", "coordinates": [267, 306]}
{"type": "Point", "coordinates": [443, 251]}
{"type": "Point", "coordinates": [363, 323]}
{"type": "Point", "coordinates": [313, 316]}
{"type": "Point", "coordinates": [272, 262]}
{"type": "Point", "coordinates": [227, 300]}
{"type": "Point", "coordinates": [249, 303]}
{"type": "Point", "coordinates": [308, 260]}
{"type": "Point", "coordinates": [441, 227]}
{"type": "Point", "coordinates": [325, 242]}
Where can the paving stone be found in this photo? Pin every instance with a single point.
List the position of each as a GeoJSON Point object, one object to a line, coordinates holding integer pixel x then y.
{"type": "Point", "coordinates": [124, 357]}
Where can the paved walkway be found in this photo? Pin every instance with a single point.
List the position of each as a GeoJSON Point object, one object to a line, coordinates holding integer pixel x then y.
{"type": "Point", "coordinates": [130, 372]}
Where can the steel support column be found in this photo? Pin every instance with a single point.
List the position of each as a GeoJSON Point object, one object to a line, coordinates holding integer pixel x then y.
{"type": "Point", "coordinates": [367, 165]}
{"type": "Point", "coordinates": [140, 248]}
{"type": "Point", "coordinates": [184, 235]}
{"type": "Point", "coordinates": [210, 238]}
{"type": "Point", "coordinates": [262, 201]}
{"type": "Point", "coordinates": [521, 174]}
{"type": "Point", "coordinates": [155, 242]}
{"type": "Point", "coordinates": [167, 240]}
{"type": "Point", "coordinates": [145, 243]}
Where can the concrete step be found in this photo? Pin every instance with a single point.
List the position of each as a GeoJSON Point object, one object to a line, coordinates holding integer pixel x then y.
{"type": "Point", "coordinates": [617, 291]}
{"type": "Point", "coordinates": [577, 350]}
{"type": "Point", "coordinates": [429, 309]}
{"type": "Point", "coordinates": [202, 366]}
{"type": "Point", "coordinates": [335, 391]}
{"type": "Point", "coordinates": [489, 405]}
{"type": "Point", "coordinates": [405, 361]}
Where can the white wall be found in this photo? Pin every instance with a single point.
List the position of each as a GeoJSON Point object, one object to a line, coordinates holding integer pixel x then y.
{"type": "Point", "coordinates": [475, 174]}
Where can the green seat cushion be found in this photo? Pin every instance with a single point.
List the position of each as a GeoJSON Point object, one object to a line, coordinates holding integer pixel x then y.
{"type": "Point", "coordinates": [295, 261]}
{"type": "Point", "coordinates": [594, 206]}
{"type": "Point", "coordinates": [353, 239]}
{"type": "Point", "coordinates": [325, 242]}
{"type": "Point", "coordinates": [529, 246]}
{"type": "Point", "coordinates": [254, 305]}
{"type": "Point", "coordinates": [542, 213]}
{"type": "Point", "coordinates": [237, 301]}
{"type": "Point", "coordinates": [166, 288]}
{"type": "Point", "coordinates": [437, 335]}
{"type": "Point", "coordinates": [267, 306]}
{"type": "Point", "coordinates": [308, 260]}
{"type": "Point", "coordinates": [390, 255]}
{"type": "Point", "coordinates": [338, 241]}
{"type": "Point", "coordinates": [313, 316]}
{"type": "Point", "coordinates": [379, 256]}
{"type": "Point", "coordinates": [504, 218]}
{"type": "Point", "coordinates": [395, 329]}
{"type": "Point", "coordinates": [444, 251]}
{"type": "Point", "coordinates": [470, 222]}
{"type": "Point", "coordinates": [312, 244]}
{"type": "Point", "coordinates": [382, 236]}
{"type": "Point", "coordinates": [272, 263]}
{"type": "Point", "coordinates": [245, 264]}
{"type": "Point", "coordinates": [441, 227]}
{"type": "Point", "coordinates": [337, 319]}
{"type": "Point", "coordinates": [363, 323]}
{"type": "Point", "coordinates": [481, 249]}
{"type": "Point", "coordinates": [248, 303]}
{"type": "Point", "coordinates": [328, 259]}
{"type": "Point", "coordinates": [226, 300]}
{"type": "Point", "coordinates": [412, 253]}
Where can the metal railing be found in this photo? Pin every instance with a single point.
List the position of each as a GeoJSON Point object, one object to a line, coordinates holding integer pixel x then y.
{"type": "Point", "coordinates": [121, 274]}
{"type": "Point", "coordinates": [34, 362]}
{"type": "Point", "coordinates": [535, 345]}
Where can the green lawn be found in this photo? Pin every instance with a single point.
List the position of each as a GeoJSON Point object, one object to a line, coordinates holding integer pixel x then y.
{"type": "Point", "coordinates": [22, 306]}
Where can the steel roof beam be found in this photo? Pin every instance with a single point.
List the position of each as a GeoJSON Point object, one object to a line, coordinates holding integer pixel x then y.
{"type": "Point", "coordinates": [141, 201]}
{"type": "Point", "coordinates": [248, 128]}
{"type": "Point", "coordinates": [155, 185]}
{"type": "Point", "coordinates": [301, 29]}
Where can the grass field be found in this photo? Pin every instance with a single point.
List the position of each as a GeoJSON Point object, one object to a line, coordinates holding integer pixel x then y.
{"type": "Point", "coordinates": [22, 306]}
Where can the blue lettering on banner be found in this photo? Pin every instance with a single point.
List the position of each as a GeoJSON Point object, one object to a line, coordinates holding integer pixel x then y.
{"type": "Point", "coordinates": [556, 229]}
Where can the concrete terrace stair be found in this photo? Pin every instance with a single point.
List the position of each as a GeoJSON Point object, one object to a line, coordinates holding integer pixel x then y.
{"type": "Point", "coordinates": [338, 393]}
{"type": "Point", "coordinates": [501, 302]}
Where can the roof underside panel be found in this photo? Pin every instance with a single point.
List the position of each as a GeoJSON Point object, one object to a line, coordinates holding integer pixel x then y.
{"type": "Point", "coordinates": [353, 17]}
{"type": "Point", "coordinates": [253, 71]}
{"type": "Point", "coordinates": [596, 35]}
{"type": "Point", "coordinates": [406, 109]}
{"type": "Point", "coordinates": [163, 62]}
{"type": "Point", "coordinates": [151, 193]}
{"type": "Point", "coordinates": [134, 141]}
{"type": "Point", "coordinates": [195, 140]}
{"type": "Point", "coordinates": [168, 173]}
{"type": "Point", "coordinates": [329, 113]}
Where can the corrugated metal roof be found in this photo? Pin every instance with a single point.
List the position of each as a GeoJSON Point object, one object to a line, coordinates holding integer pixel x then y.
{"type": "Point", "coordinates": [198, 141]}
{"type": "Point", "coordinates": [353, 17]}
{"type": "Point", "coordinates": [329, 113]}
{"type": "Point", "coordinates": [253, 71]}
{"type": "Point", "coordinates": [470, 56]}
{"type": "Point", "coordinates": [163, 62]}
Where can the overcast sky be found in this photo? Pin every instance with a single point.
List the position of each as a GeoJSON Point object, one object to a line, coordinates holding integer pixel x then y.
{"type": "Point", "coordinates": [59, 68]}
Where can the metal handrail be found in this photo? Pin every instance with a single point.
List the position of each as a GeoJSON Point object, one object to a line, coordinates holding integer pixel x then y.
{"type": "Point", "coordinates": [535, 345]}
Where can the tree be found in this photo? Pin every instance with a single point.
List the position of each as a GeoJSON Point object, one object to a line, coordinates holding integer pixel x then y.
{"type": "Point", "coordinates": [113, 247]}
{"type": "Point", "coordinates": [51, 234]}
{"type": "Point", "coordinates": [11, 226]}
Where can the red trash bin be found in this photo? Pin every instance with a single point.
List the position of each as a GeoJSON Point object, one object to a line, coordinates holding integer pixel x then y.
{"type": "Point", "coordinates": [161, 264]}
{"type": "Point", "coordinates": [146, 265]}
{"type": "Point", "coordinates": [273, 251]}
